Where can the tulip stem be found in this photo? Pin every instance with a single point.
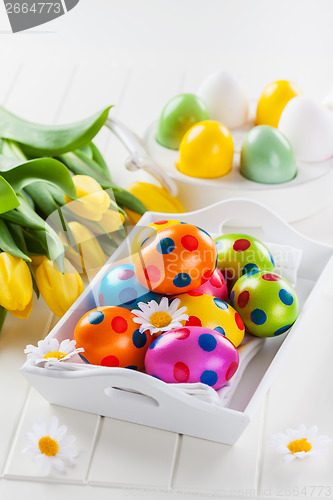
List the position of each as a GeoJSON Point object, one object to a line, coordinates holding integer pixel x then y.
{"type": "Point", "coordinates": [3, 314]}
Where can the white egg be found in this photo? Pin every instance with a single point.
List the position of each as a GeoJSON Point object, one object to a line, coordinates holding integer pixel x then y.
{"type": "Point", "coordinates": [226, 99]}
{"type": "Point", "coordinates": [309, 127]}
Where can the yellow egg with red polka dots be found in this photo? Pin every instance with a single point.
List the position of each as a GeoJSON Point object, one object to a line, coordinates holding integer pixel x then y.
{"type": "Point", "coordinates": [150, 230]}
{"type": "Point", "coordinates": [178, 259]}
{"type": "Point", "coordinates": [110, 337]}
{"type": "Point", "coordinates": [213, 313]}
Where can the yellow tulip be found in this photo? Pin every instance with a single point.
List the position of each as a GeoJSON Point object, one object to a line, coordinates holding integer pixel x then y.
{"type": "Point", "coordinates": [112, 220]}
{"type": "Point", "coordinates": [90, 254]}
{"type": "Point", "coordinates": [59, 290]}
{"type": "Point", "coordinates": [25, 313]}
{"type": "Point", "coordinates": [15, 285]}
{"type": "Point", "coordinates": [93, 200]}
{"type": "Point", "coordinates": [36, 259]}
{"type": "Point", "coordinates": [154, 198]}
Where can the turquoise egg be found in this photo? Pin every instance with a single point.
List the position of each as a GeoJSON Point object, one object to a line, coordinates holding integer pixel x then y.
{"type": "Point", "coordinates": [267, 156]}
{"type": "Point", "coordinates": [266, 302]}
{"type": "Point", "coordinates": [178, 115]}
{"type": "Point", "coordinates": [120, 287]}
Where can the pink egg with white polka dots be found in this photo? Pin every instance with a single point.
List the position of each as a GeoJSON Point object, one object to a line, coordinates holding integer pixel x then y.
{"type": "Point", "coordinates": [192, 354]}
{"type": "Point", "coordinates": [216, 286]}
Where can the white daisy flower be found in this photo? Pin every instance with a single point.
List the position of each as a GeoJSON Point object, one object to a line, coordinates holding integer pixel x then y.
{"type": "Point", "coordinates": [51, 350]}
{"type": "Point", "coordinates": [299, 443]}
{"type": "Point", "coordinates": [159, 318]}
{"type": "Point", "coordinates": [49, 445]}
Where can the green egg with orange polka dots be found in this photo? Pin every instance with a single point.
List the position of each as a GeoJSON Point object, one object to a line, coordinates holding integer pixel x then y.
{"type": "Point", "coordinates": [110, 337]}
{"type": "Point", "coordinates": [239, 254]}
{"type": "Point", "coordinates": [266, 302]}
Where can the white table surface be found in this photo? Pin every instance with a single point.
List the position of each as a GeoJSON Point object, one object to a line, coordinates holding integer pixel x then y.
{"type": "Point", "coordinates": [137, 56]}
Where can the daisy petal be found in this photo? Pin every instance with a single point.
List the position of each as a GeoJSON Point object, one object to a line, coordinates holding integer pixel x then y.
{"type": "Point", "coordinates": [57, 464]}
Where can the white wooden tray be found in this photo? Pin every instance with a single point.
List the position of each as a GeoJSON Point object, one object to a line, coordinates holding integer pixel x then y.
{"type": "Point", "coordinates": [137, 397]}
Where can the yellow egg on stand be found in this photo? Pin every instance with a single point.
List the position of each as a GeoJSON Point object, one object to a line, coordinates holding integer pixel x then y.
{"type": "Point", "coordinates": [273, 100]}
{"type": "Point", "coordinates": [206, 151]}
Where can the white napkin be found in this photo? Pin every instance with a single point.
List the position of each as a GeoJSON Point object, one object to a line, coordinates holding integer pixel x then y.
{"type": "Point", "coordinates": [286, 259]}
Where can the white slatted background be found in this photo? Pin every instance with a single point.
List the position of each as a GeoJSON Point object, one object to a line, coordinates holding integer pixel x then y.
{"type": "Point", "coordinates": [117, 457]}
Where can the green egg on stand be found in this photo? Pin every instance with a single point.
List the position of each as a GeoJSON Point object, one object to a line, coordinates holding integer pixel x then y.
{"type": "Point", "coordinates": [239, 254]}
{"type": "Point", "coordinates": [179, 114]}
{"type": "Point", "coordinates": [267, 156]}
{"type": "Point", "coordinates": [266, 302]}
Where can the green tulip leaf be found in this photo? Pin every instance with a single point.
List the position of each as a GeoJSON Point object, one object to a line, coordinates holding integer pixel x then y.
{"type": "Point", "coordinates": [98, 158]}
{"type": "Point", "coordinates": [50, 140]}
{"type": "Point", "coordinates": [7, 243]}
{"type": "Point", "coordinates": [80, 164]}
{"type": "Point", "coordinates": [42, 197]}
{"type": "Point", "coordinates": [8, 198]}
{"type": "Point", "coordinates": [47, 169]}
{"type": "Point", "coordinates": [128, 200]}
{"type": "Point", "coordinates": [3, 314]}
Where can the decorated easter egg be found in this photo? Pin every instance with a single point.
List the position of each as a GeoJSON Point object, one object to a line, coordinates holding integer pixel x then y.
{"type": "Point", "coordinates": [146, 232]}
{"type": "Point", "coordinates": [120, 287]}
{"type": "Point", "coordinates": [110, 337]}
{"type": "Point", "coordinates": [215, 314]}
{"type": "Point", "coordinates": [192, 354]}
{"type": "Point", "coordinates": [239, 254]}
{"type": "Point", "coordinates": [266, 302]}
{"type": "Point", "coordinates": [215, 286]}
{"type": "Point", "coordinates": [177, 259]}
{"type": "Point", "coordinates": [273, 100]}
{"type": "Point", "coordinates": [309, 127]}
{"type": "Point", "coordinates": [206, 151]}
{"type": "Point", "coordinates": [226, 99]}
{"type": "Point", "coordinates": [267, 156]}
{"type": "Point", "coordinates": [178, 115]}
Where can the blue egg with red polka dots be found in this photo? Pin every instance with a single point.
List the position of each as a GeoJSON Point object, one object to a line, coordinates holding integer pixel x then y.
{"type": "Point", "coordinates": [120, 287]}
{"type": "Point", "coordinates": [266, 302]}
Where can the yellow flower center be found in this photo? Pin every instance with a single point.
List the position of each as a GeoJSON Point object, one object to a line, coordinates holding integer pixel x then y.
{"type": "Point", "coordinates": [299, 445]}
{"type": "Point", "coordinates": [55, 354]}
{"type": "Point", "coordinates": [48, 446]}
{"type": "Point", "coordinates": [160, 319]}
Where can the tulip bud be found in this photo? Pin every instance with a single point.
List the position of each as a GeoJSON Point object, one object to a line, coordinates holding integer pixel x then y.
{"type": "Point", "coordinates": [154, 198]}
{"type": "Point", "coordinates": [15, 285]}
{"type": "Point", "coordinates": [59, 290]}
{"type": "Point", "coordinates": [36, 259]}
{"type": "Point", "coordinates": [90, 254]}
{"type": "Point", "coordinates": [112, 221]}
{"type": "Point", "coordinates": [25, 313]}
{"type": "Point", "coordinates": [93, 200]}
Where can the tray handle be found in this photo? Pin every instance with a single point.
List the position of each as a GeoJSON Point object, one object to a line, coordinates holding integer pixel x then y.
{"type": "Point", "coordinates": [139, 158]}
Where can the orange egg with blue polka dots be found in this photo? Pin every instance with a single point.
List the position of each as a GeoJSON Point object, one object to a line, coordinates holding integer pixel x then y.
{"type": "Point", "coordinates": [148, 231]}
{"type": "Point", "coordinates": [110, 337]}
{"type": "Point", "coordinates": [178, 259]}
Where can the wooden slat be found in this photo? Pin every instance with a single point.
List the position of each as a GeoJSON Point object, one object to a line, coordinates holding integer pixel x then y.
{"type": "Point", "coordinates": [93, 87]}
{"type": "Point", "coordinates": [132, 455]}
{"type": "Point", "coordinates": [148, 88]}
{"type": "Point", "coordinates": [303, 394]}
{"type": "Point", "coordinates": [16, 334]}
{"type": "Point", "coordinates": [82, 425]}
{"type": "Point", "coordinates": [213, 467]}
{"type": "Point", "coordinates": [39, 91]}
